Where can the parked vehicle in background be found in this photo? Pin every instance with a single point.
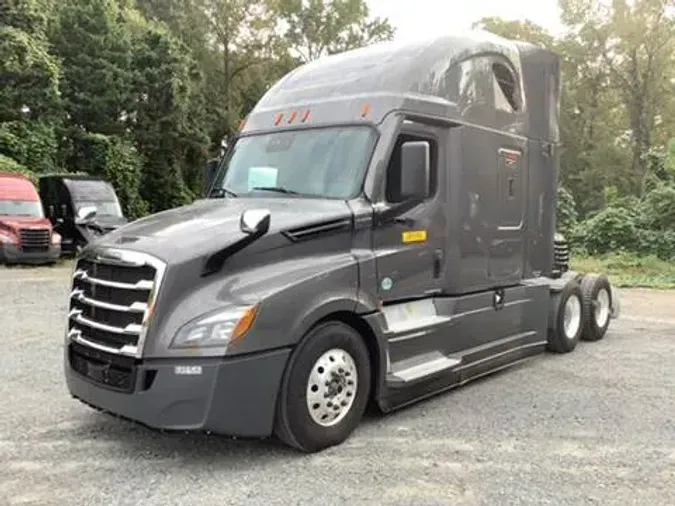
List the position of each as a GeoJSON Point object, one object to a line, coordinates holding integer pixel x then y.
{"type": "Point", "coordinates": [382, 230]}
{"type": "Point", "coordinates": [26, 235]}
{"type": "Point", "coordinates": [80, 207]}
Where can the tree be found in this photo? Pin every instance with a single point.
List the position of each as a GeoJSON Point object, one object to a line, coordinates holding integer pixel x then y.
{"type": "Point", "coordinates": [525, 31]}
{"type": "Point", "coordinates": [636, 40]}
{"type": "Point", "coordinates": [30, 105]}
{"type": "Point", "coordinates": [162, 120]}
{"type": "Point", "coordinates": [319, 27]}
{"type": "Point", "coordinates": [95, 49]}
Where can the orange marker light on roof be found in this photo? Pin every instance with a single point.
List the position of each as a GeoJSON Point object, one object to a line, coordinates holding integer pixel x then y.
{"type": "Point", "coordinates": [279, 117]}
{"type": "Point", "coordinates": [242, 124]}
{"type": "Point", "coordinates": [365, 110]}
{"type": "Point", "coordinates": [292, 118]}
{"type": "Point", "coordinates": [305, 116]}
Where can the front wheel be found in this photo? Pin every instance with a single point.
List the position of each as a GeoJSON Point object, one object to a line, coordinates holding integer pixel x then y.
{"type": "Point", "coordinates": [325, 389]}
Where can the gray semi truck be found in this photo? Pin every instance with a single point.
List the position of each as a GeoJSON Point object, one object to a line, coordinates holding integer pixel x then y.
{"type": "Point", "coordinates": [381, 230]}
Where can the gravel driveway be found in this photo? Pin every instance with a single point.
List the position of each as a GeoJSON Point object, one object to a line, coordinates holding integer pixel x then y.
{"type": "Point", "coordinates": [593, 427]}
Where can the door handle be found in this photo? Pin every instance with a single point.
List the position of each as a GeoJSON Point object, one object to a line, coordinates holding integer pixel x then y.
{"type": "Point", "coordinates": [438, 262]}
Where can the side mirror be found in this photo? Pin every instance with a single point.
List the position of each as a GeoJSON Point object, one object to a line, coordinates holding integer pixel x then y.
{"type": "Point", "coordinates": [415, 168]}
{"type": "Point", "coordinates": [85, 214]}
{"type": "Point", "coordinates": [255, 221]}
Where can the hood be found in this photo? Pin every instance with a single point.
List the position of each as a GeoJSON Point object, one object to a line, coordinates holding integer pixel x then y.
{"type": "Point", "coordinates": [208, 225]}
{"type": "Point", "coordinates": [108, 222]}
{"type": "Point", "coordinates": [29, 222]}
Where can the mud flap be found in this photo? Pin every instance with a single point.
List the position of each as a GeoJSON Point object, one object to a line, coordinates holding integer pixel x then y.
{"type": "Point", "coordinates": [615, 308]}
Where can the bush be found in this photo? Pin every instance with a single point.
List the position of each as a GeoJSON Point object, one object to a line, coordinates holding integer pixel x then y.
{"type": "Point", "coordinates": [644, 226]}
{"type": "Point", "coordinates": [656, 242]}
{"type": "Point", "coordinates": [611, 230]}
{"type": "Point", "coordinates": [31, 143]}
{"type": "Point", "coordinates": [658, 208]}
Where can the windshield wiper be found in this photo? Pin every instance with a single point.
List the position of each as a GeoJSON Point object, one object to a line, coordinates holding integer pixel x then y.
{"type": "Point", "coordinates": [278, 189]}
{"type": "Point", "coordinates": [221, 192]}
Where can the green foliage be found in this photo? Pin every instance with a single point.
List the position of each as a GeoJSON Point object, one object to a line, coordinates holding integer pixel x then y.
{"type": "Point", "coordinates": [29, 77]}
{"type": "Point", "coordinates": [641, 225]}
{"type": "Point", "coordinates": [30, 16]}
{"type": "Point", "coordinates": [566, 212]}
{"type": "Point", "coordinates": [163, 130]}
{"type": "Point", "coordinates": [95, 50]}
{"type": "Point", "coordinates": [115, 160]}
{"type": "Point", "coordinates": [658, 208]}
{"type": "Point", "coordinates": [319, 27]}
{"type": "Point", "coordinates": [612, 229]}
{"type": "Point", "coordinates": [8, 164]}
{"type": "Point", "coordinates": [629, 269]}
{"type": "Point", "coordinates": [31, 143]}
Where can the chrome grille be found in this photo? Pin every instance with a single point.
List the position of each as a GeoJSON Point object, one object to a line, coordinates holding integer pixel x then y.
{"type": "Point", "coordinates": [34, 239]}
{"type": "Point", "coordinates": [111, 300]}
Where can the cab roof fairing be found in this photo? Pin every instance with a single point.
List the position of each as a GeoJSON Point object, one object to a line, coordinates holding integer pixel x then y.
{"type": "Point", "coordinates": [334, 88]}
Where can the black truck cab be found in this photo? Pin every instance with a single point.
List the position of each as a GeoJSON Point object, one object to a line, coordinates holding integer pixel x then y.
{"type": "Point", "coordinates": [382, 229]}
{"type": "Point", "coordinates": [80, 207]}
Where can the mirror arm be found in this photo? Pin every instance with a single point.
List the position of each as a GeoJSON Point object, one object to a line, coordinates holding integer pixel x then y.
{"type": "Point", "coordinates": [396, 210]}
{"type": "Point", "coordinates": [215, 262]}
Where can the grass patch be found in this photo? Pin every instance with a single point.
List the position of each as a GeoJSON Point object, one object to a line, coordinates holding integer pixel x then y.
{"type": "Point", "coordinates": [629, 270]}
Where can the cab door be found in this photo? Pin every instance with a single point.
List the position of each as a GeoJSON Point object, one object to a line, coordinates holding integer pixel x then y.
{"type": "Point", "coordinates": [410, 249]}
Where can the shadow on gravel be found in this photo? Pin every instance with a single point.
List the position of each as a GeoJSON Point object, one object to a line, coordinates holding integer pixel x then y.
{"type": "Point", "coordinates": [124, 437]}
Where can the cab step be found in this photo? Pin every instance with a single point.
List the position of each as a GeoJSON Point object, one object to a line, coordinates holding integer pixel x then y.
{"type": "Point", "coordinates": [421, 368]}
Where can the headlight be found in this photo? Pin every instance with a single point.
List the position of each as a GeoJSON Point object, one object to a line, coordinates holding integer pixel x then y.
{"type": "Point", "coordinates": [56, 239]}
{"type": "Point", "coordinates": [7, 236]}
{"type": "Point", "coordinates": [217, 328]}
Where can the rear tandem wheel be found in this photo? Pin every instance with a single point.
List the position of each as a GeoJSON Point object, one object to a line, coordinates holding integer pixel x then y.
{"type": "Point", "coordinates": [567, 325]}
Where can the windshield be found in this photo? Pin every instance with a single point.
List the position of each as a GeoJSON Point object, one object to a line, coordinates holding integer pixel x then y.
{"type": "Point", "coordinates": [321, 162]}
{"type": "Point", "coordinates": [21, 208]}
{"type": "Point", "coordinates": [103, 208]}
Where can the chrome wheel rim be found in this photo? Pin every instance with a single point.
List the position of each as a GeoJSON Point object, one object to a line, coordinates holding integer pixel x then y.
{"type": "Point", "coordinates": [602, 309]}
{"type": "Point", "coordinates": [572, 319]}
{"type": "Point", "coordinates": [331, 388]}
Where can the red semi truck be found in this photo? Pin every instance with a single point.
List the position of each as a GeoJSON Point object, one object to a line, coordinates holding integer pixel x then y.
{"type": "Point", "coordinates": [26, 235]}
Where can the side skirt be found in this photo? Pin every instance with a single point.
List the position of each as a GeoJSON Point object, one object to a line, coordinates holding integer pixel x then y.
{"type": "Point", "coordinates": [398, 395]}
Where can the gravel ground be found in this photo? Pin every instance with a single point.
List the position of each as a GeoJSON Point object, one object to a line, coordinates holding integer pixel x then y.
{"type": "Point", "coordinates": [592, 427]}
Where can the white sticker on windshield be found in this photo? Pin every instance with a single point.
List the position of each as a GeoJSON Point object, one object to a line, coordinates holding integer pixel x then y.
{"type": "Point", "coordinates": [262, 177]}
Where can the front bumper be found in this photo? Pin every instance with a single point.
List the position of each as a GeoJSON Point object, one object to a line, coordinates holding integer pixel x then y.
{"type": "Point", "coordinates": [12, 254]}
{"type": "Point", "coordinates": [234, 396]}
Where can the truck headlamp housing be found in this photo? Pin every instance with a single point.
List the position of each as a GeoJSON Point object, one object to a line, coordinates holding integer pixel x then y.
{"type": "Point", "coordinates": [7, 237]}
{"type": "Point", "coordinates": [217, 329]}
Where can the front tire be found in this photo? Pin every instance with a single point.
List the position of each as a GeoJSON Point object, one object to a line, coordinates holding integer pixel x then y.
{"type": "Point", "coordinates": [325, 388]}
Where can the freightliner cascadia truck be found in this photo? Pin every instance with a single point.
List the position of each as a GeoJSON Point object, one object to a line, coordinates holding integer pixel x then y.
{"type": "Point", "coordinates": [382, 229]}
